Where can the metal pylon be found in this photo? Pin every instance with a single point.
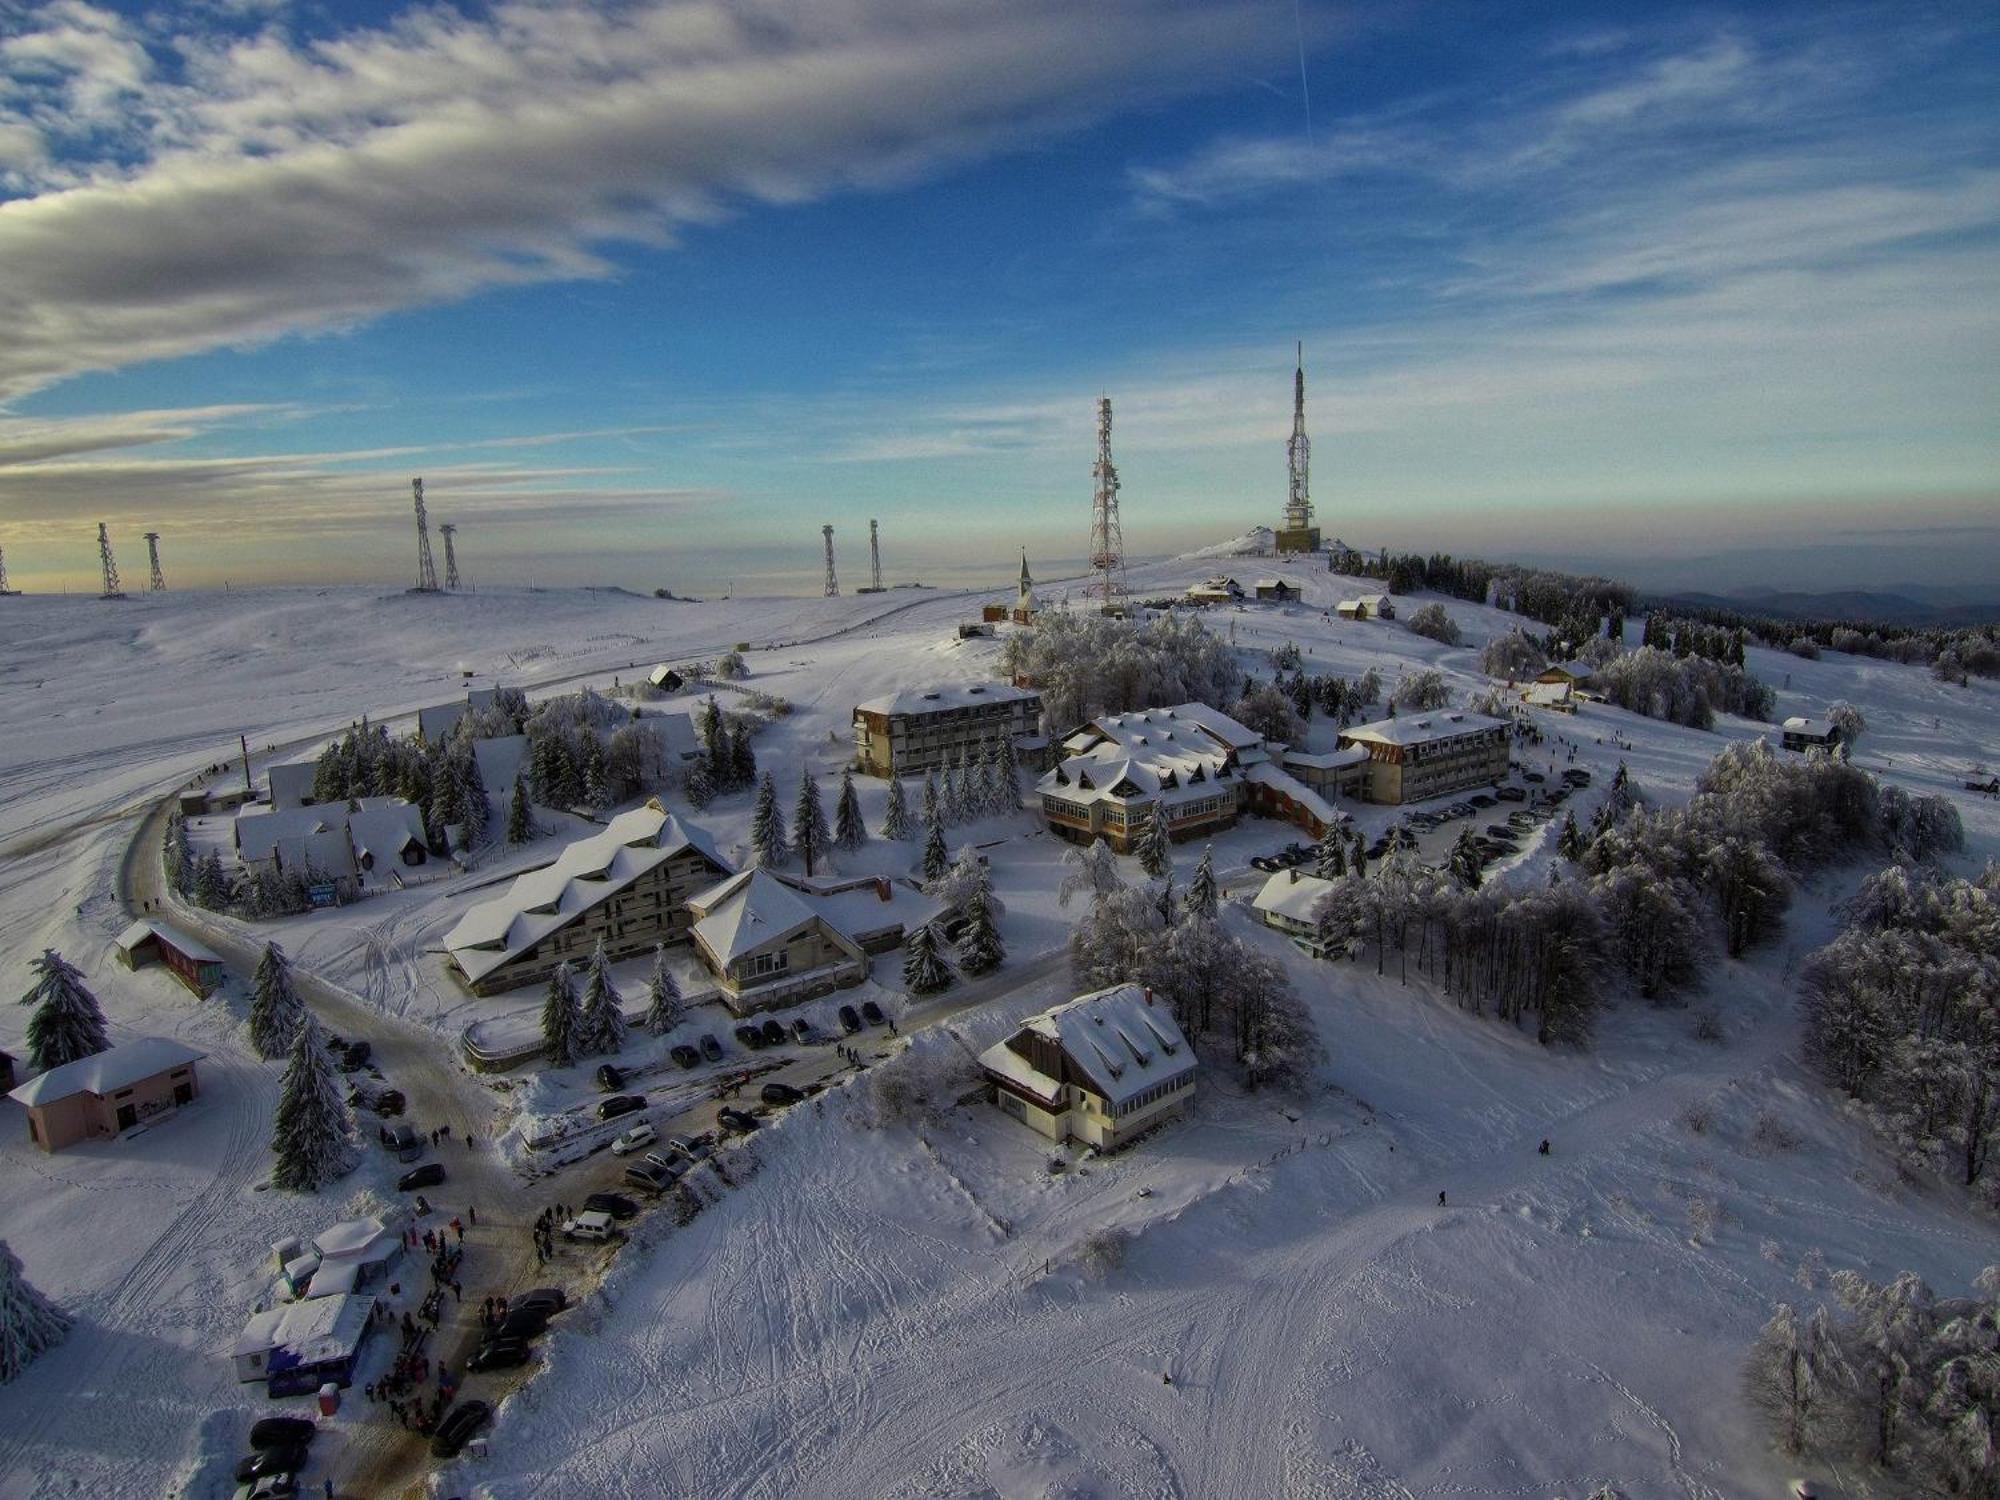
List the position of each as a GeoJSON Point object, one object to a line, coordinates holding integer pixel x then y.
{"type": "Point", "coordinates": [448, 530]}
{"type": "Point", "coordinates": [159, 582]}
{"type": "Point", "coordinates": [111, 587]}
{"type": "Point", "coordinates": [832, 584]}
{"type": "Point", "coordinates": [427, 576]}
{"type": "Point", "coordinates": [1107, 537]}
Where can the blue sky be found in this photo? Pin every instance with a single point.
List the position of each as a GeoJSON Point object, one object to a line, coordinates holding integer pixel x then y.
{"type": "Point", "coordinates": [648, 292]}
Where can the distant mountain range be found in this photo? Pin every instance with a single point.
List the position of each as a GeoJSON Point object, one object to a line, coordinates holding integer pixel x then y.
{"type": "Point", "coordinates": [1896, 604]}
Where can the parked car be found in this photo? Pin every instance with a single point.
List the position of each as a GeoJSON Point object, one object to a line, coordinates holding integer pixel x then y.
{"type": "Point", "coordinates": [737, 1120]}
{"type": "Point", "coordinates": [1577, 776]}
{"type": "Point", "coordinates": [649, 1177]}
{"type": "Point", "coordinates": [355, 1055]}
{"type": "Point", "coordinates": [1484, 799]}
{"type": "Point", "coordinates": [402, 1141]}
{"type": "Point", "coordinates": [781, 1094]}
{"type": "Point", "coordinates": [750, 1037]}
{"type": "Point", "coordinates": [281, 1432]}
{"type": "Point", "coordinates": [774, 1032]}
{"type": "Point", "coordinates": [693, 1148]}
{"type": "Point", "coordinates": [685, 1055]}
{"type": "Point", "coordinates": [619, 1104]}
{"type": "Point", "coordinates": [552, 1299]}
{"type": "Point", "coordinates": [284, 1460]}
{"type": "Point", "coordinates": [850, 1020]}
{"type": "Point", "coordinates": [521, 1323]}
{"type": "Point", "coordinates": [1265, 863]}
{"type": "Point", "coordinates": [499, 1354]}
{"type": "Point", "coordinates": [270, 1487]}
{"type": "Point", "coordinates": [872, 1013]}
{"type": "Point", "coordinates": [610, 1079]}
{"type": "Point", "coordinates": [1499, 831]}
{"type": "Point", "coordinates": [1511, 794]}
{"type": "Point", "coordinates": [390, 1102]}
{"type": "Point", "coordinates": [802, 1031]}
{"type": "Point", "coordinates": [458, 1427]}
{"type": "Point", "coordinates": [710, 1047]}
{"type": "Point", "coordinates": [1534, 776]}
{"type": "Point", "coordinates": [616, 1204]}
{"type": "Point", "coordinates": [594, 1227]}
{"type": "Point", "coordinates": [430, 1174]}
{"type": "Point", "coordinates": [639, 1135]}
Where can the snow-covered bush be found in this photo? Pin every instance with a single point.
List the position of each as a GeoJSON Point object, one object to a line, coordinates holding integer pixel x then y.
{"type": "Point", "coordinates": [1103, 1252]}
{"type": "Point", "coordinates": [1271, 712]}
{"type": "Point", "coordinates": [1421, 691]}
{"type": "Point", "coordinates": [1688, 690]}
{"type": "Point", "coordinates": [1089, 664]}
{"type": "Point", "coordinates": [1434, 624]}
{"type": "Point", "coordinates": [1513, 656]}
{"type": "Point", "coordinates": [1805, 646]}
{"type": "Point", "coordinates": [730, 667]}
{"type": "Point", "coordinates": [933, 1073]}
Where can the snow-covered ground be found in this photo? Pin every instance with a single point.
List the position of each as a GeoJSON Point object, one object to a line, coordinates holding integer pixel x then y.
{"type": "Point", "coordinates": [907, 1310]}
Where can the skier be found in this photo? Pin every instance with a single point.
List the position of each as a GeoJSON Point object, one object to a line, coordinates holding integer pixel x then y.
{"type": "Point", "coordinates": [1440, 1199]}
{"type": "Point", "coordinates": [1545, 1148]}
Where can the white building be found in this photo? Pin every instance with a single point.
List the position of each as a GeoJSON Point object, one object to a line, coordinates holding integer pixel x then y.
{"type": "Point", "coordinates": [1417, 756]}
{"type": "Point", "coordinates": [1101, 1068]}
{"type": "Point", "coordinates": [1289, 903]}
{"type": "Point", "coordinates": [927, 729]}
{"type": "Point", "coordinates": [1367, 607]}
{"type": "Point", "coordinates": [302, 1345]}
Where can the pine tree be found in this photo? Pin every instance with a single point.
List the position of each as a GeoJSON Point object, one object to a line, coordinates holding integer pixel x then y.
{"type": "Point", "coordinates": [950, 804]}
{"type": "Point", "coordinates": [520, 821]}
{"type": "Point", "coordinates": [936, 859]}
{"type": "Point", "coordinates": [1156, 850]}
{"type": "Point", "coordinates": [447, 795]}
{"type": "Point", "coordinates": [472, 795]}
{"type": "Point", "coordinates": [211, 884]}
{"type": "Point", "coordinates": [600, 1024]}
{"type": "Point", "coordinates": [591, 772]}
{"type": "Point", "coordinates": [698, 784]}
{"type": "Point", "coordinates": [896, 816]}
{"type": "Point", "coordinates": [713, 737]}
{"type": "Point", "coordinates": [742, 759]}
{"type": "Point", "coordinates": [67, 1023]}
{"type": "Point", "coordinates": [1569, 842]}
{"type": "Point", "coordinates": [275, 1007]}
{"type": "Point", "coordinates": [767, 825]}
{"type": "Point", "coordinates": [30, 1324]}
{"type": "Point", "coordinates": [1330, 854]}
{"type": "Point", "coordinates": [924, 970]}
{"type": "Point", "coordinates": [180, 857]}
{"type": "Point", "coordinates": [810, 835]}
{"type": "Point", "coordinates": [1202, 898]}
{"type": "Point", "coordinates": [310, 1134]}
{"type": "Point", "coordinates": [560, 1021]}
{"type": "Point", "coordinates": [1007, 797]}
{"type": "Point", "coordinates": [980, 949]}
{"type": "Point", "coordinates": [1463, 863]}
{"type": "Point", "coordinates": [663, 996]}
{"type": "Point", "coordinates": [849, 831]}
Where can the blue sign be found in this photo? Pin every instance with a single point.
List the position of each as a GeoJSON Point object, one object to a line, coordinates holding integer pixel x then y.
{"type": "Point", "coordinates": [323, 894]}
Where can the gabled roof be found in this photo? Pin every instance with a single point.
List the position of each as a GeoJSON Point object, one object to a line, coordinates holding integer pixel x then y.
{"type": "Point", "coordinates": [173, 937]}
{"type": "Point", "coordinates": [500, 761]}
{"type": "Point", "coordinates": [1816, 728]}
{"type": "Point", "coordinates": [325, 853]}
{"type": "Point", "coordinates": [747, 911]}
{"type": "Point", "coordinates": [258, 833]}
{"type": "Point", "coordinates": [436, 724]}
{"type": "Point", "coordinates": [1120, 1040]}
{"type": "Point", "coordinates": [108, 1071]}
{"type": "Point", "coordinates": [678, 739]}
{"type": "Point", "coordinates": [292, 784]}
{"type": "Point", "coordinates": [1292, 893]}
{"type": "Point", "coordinates": [661, 675]}
{"type": "Point", "coordinates": [313, 1331]}
{"type": "Point", "coordinates": [385, 831]}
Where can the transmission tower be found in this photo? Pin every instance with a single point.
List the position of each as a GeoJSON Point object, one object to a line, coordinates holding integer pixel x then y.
{"type": "Point", "coordinates": [1107, 538]}
{"type": "Point", "coordinates": [832, 586]}
{"type": "Point", "coordinates": [4, 590]}
{"type": "Point", "coordinates": [447, 531]}
{"type": "Point", "coordinates": [1298, 454]}
{"type": "Point", "coordinates": [111, 588]}
{"type": "Point", "coordinates": [874, 558]}
{"type": "Point", "coordinates": [159, 582]}
{"type": "Point", "coordinates": [427, 573]}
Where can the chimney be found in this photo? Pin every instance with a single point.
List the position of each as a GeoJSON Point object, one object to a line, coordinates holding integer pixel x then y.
{"type": "Point", "coordinates": [882, 891]}
{"type": "Point", "coordinates": [1149, 994]}
{"type": "Point", "coordinates": [1294, 873]}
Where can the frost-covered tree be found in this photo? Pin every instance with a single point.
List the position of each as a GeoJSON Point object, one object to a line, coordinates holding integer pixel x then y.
{"type": "Point", "coordinates": [1421, 691]}
{"type": "Point", "coordinates": [1007, 791]}
{"type": "Point", "coordinates": [950, 803]}
{"type": "Point", "coordinates": [275, 1006]}
{"type": "Point", "coordinates": [896, 815]}
{"type": "Point", "coordinates": [731, 667]}
{"type": "Point", "coordinates": [30, 1324]}
{"type": "Point", "coordinates": [1156, 850]}
{"type": "Point", "coordinates": [1463, 863]}
{"type": "Point", "coordinates": [1270, 712]}
{"type": "Point", "coordinates": [1330, 853]}
{"type": "Point", "coordinates": [1431, 622]}
{"type": "Point", "coordinates": [311, 1137]}
{"type": "Point", "coordinates": [767, 825]}
{"type": "Point", "coordinates": [1655, 929]}
{"type": "Point", "coordinates": [596, 791]}
{"type": "Point", "coordinates": [1847, 721]}
{"type": "Point", "coordinates": [520, 821]}
{"type": "Point", "coordinates": [600, 1023]}
{"type": "Point", "coordinates": [953, 889]}
{"type": "Point", "coordinates": [1112, 941]}
{"type": "Point", "coordinates": [67, 1023]}
{"type": "Point", "coordinates": [849, 831]}
{"type": "Point", "coordinates": [560, 1019]}
{"type": "Point", "coordinates": [1203, 899]}
{"type": "Point", "coordinates": [980, 948]}
{"type": "Point", "coordinates": [1092, 870]}
{"type": "Point", "coordinates": [924, 970]}
{"type": "Point", "coordinates": [180, 857]}
{"type": "Point", "coordinates": [935, 857]}
{"type": "Point", "coordinates": [1513, 656]}
{"type": "Point", "coordinates": [663, 996]}
{"type": "Point", "coordinates": [1792, 1375]}
{"type": "Point", "coordinates": [698, 784]}
{"type": "Point", "coordinates": [211, 883]}
{"type": "Point", "coordinates": [1569, 842]}
{"type": "Point", "coordinates": [810, 835]}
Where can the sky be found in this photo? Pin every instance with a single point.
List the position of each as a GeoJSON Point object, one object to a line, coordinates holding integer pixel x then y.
{"type": "Point", "coordinates": [649, 292]}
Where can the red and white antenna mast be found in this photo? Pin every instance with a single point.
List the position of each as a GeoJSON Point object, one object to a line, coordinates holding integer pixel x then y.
{"type": "Point", "coordinates": [1107, 538]}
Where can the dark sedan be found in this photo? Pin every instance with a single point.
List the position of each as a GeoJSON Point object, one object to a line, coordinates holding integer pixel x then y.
{"type": "Point", "coordinates": [459, 1426]}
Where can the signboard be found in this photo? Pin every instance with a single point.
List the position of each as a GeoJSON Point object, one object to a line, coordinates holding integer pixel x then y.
{"type": "Point", "coordinates": [322, 894]}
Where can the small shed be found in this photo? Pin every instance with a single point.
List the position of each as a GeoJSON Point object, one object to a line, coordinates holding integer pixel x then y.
{"type": "Point", "coordinates": [195, 964]}
{"type": "Point", "coordinates": [358, 1252]}
{"type": "Point", "coordinates": [108, 1092]}
{"type": "Point", "coordinates": [666, 679]}
{"type": "Point", "coordinates": [1277, 591]}
{"type": "Point", "coordinates": [303, 1345]}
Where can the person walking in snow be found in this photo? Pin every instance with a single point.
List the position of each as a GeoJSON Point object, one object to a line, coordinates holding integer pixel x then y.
{"type": "Point", "coordinates": [1440, 1199]}
{"type": "Point", "coordinates": [1545, 1147]}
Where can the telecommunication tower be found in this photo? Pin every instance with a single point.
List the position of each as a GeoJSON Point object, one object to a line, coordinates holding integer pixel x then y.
{"type": "Point", "coordinates": [4, 590]}
{"type": "Point", "coordinates": [158, 585]}
{"type": "Point", "coordinates": [1107, 538]}
{"type": "Point", "coordinates": [832, 586]}
{"type": "Point", "coordinates": [874, 558]}
{"type": "Point", "coordinates": [1298, 534]}
{"type": "Point", "coordinates": [427, 575]}
{"type": "Point", "coordinates": [447, 531]}
{"type": "Point", "coordinates": [111, 588]}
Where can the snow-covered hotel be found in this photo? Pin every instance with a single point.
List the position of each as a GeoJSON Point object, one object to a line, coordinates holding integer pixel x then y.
{"type": "Point", "coordinates": [1198, 765]}
{"type": "Point", "coordinates": [1101, 1068]}
{"type": "Point", "coordinates": [628, 886]}
{"type": "Point", "coordinates": [773, 940]}
{"type": "Point", "coordinates": [1428, 755]}
{"type": "Point", "coordinates": [927, 729]}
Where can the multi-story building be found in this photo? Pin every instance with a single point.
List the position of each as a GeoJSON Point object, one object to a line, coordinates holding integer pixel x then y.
{"type": "Point", "coordinates": [1802, 733]}
{"type": "Point", "coordinates": [1101, 1068]}
{"type": "Point", "coordinates": [911, 732]}
{"type": "Point", "coordinates": [1428, 755]}
{"type": "Point", "coordinates": [627, 886]}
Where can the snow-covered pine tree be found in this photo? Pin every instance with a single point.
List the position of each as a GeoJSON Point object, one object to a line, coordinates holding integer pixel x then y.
{"type": "Point", "coordinates": [1156, 850]}
{"type": "Point", "coordinates": [447, 794]}
{"type": "Point", "coordinates": [1463, 863]}
{"type": "Point", "coordinates": [742, 759]}
{"type": "Point", "coordinates": [30, 1324]}
{"type": "Point", "coordinates": [180, 857]}
{"type": "Point", "coordinates": [310, 1135]}
{"type": "Point", "coordinates": [520, 821]}
{"type": "Point", "coordinates": [714, 738]}
{"type": "Point", "coordinates": [67, 1023]}
{"type": "Point", "coordinates": [211, 883]}
{"type": "Point", "coordinates": [1007, 796]}
{"type": "Point", "coordinates": [1569, 842]}
{"type": "Point", "coordinates": [980, 948]}
{"type": "Point", "coordinates": [596, 796]}
{"type": "Point", "coordinates": [767, 825]}
{"type": "Point", "coordinates": [1330, 854]}
{"type": "Point", "coordinates": [275, 1007]}
{"type": "Point", "coordinates": [896, 816]}
{"type": "Point", "coordinates": [1203, 899]}
{"type": "Point", "coordinates": [472, 795]}
{"type": "Point", "coordinates": [560, 1021]}
{"type": "Point", "coordinates": [936, 858]}
{"type": "Point", "coordinates": [950, 805]}
{"type": "Point", "coordinates": [600, 1024]}
{"type": "Point", "coordinates": [810, 835]}
{"type": "Point", "coordinates": [849, 831]}
{"type": "Point", "coordinates": [924, 970]}
{"type": "Point", "coordinates": [663, 996]}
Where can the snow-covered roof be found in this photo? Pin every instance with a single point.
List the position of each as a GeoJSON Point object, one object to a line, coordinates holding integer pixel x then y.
{"type": "Point", "coordinates": [384, 831]}
{"type": "Point", "coordinates": [679, 741]}
{"type": "Point", "coordinates": [1119, 1039]}
{"type": "Point", "coordinates": [259, 833]}
{"type": "Point", "coordinates": [746, 911]}
{"type": "Point", "coordinates": [661, 675]}
{"type": "Point", "coordinates": [1420, 729]}
{"type": "Point", "coordinates": [1267, 775]}
{"type": "Point", "coordinates": [1575, 671]}
{"type": "Point", "coordinates": [108, 1071]}
{"type": "Point", "coordinates": [357, 1239]}
{"type": "Point", "coordinates": [173, 937]}
{"type": "Point", "coordinates": [292, 783]}
{"type": "Point", "coordinates": [935, 700]}
{"type": "Point", "coordinates": [860, 909]}
{"type": "Point", "coordinates": [326, 853]}
{"type": "Point", "coordinates": [1159, 751]}
{"type": "Point", "coordinates": [1330, 760]}
{"type": "Point", "coordinates": [436, 724]}
{"type": "Point", "coordinates": [1545, 693]}
{"type": "Point", "coordinates": [1815, 728]}
{"type": "Point", "coordinates": [313, 1331]}
{"type": "Point", "coordinates": [589, 871]}
{"type": "Point", "coordinates": [1292, 893]}
{"type": "Point", "coordinates": [500, 761]}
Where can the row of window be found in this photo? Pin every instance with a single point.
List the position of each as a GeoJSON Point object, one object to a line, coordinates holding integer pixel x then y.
{"type": "Point", "coordinates": [1154, 1094]}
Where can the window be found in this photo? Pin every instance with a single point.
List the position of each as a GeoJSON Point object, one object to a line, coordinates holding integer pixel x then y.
{"type": "Point", "coordinates": [766, 963]}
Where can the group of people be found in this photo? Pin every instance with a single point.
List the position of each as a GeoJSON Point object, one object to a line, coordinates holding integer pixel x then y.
{"type": "Point", "coordinates": [546, 1223]}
